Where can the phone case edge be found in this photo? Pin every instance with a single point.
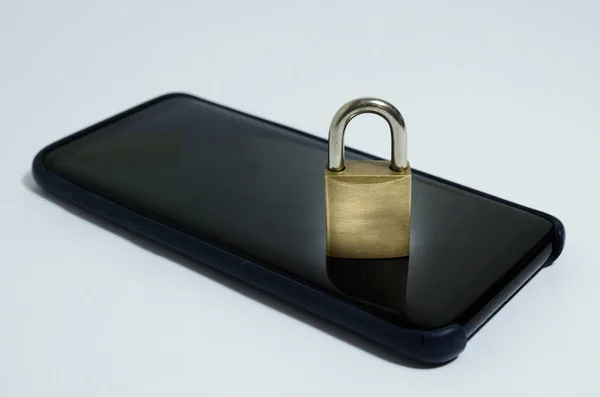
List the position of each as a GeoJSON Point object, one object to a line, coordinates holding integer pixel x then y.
{"type": "Point", "coordinates": [427, 346]}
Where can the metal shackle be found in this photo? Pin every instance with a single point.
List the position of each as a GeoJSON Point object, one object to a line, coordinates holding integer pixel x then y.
{"type": "Point", "coordinates": [367, 105]}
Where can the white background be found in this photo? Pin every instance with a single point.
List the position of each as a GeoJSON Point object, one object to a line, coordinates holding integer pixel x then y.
{"type": "Point", "coordinates": [500, 96]}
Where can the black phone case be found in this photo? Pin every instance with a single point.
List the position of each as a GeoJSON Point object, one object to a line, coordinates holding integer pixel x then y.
{"type": "Point", "coordinates": [427, 346]}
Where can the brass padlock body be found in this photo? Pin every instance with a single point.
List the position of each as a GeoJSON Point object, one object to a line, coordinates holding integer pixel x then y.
{"type": "Point", "coordinates": [368, 202]}
{"type": "Point", "coordinates": [368, 210]}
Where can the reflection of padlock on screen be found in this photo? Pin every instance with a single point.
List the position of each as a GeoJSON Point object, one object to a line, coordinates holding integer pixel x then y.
{"type": "Point", "coordinates": [375, 282]}
{"type": "Point", "coordinates": [367, 202]}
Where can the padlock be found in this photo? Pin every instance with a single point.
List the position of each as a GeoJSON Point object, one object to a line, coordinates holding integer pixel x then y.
{"type": "Point", "coordinates": [367, 202]}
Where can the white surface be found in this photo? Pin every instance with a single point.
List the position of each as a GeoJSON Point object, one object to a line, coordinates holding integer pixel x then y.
{"type": "Point", "coordinates": [503, 98]}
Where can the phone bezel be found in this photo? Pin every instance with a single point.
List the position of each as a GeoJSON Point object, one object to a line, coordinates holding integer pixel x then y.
{"type": "Point", "coordinates": [432, 346]}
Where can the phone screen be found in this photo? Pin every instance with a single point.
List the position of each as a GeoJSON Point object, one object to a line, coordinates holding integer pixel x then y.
{"type": "Point", "coordinates": [257, 189]}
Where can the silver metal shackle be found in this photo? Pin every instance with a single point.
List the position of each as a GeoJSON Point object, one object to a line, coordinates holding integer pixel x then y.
{"type": "Point", "coordinates": [367, 105]}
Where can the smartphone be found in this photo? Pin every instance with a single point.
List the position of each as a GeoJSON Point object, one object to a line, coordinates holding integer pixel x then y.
{"type": "Point", "coordinates": [246, 196]}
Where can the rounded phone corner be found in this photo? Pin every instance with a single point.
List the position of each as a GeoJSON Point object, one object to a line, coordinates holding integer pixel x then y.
{"type": "Point", "coordinates": [433, 347]}
{"type": "Point", "coordinates": [443, 345]}
{"type": "Point", "coordinates": [173, 95]}
{"type": "Point", "coordinates": [558, 240]}
{"type": "Point", "coordinates": [38, 168]}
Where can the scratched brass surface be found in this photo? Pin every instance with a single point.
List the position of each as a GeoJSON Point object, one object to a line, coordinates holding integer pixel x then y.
{"type": "Point", "coordinates": [368, 210]}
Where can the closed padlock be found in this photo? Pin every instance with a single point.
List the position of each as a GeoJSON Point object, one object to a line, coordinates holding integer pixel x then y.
{"type": "Point", "coordinates": [367, 202]}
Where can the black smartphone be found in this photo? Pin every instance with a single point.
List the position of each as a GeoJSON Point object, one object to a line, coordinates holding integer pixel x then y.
{"type": "Point", "coordinates": [246, 196]}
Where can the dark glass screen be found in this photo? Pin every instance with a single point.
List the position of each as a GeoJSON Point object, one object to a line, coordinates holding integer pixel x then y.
{"type": "Point", "coordinates": [257, 188]}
